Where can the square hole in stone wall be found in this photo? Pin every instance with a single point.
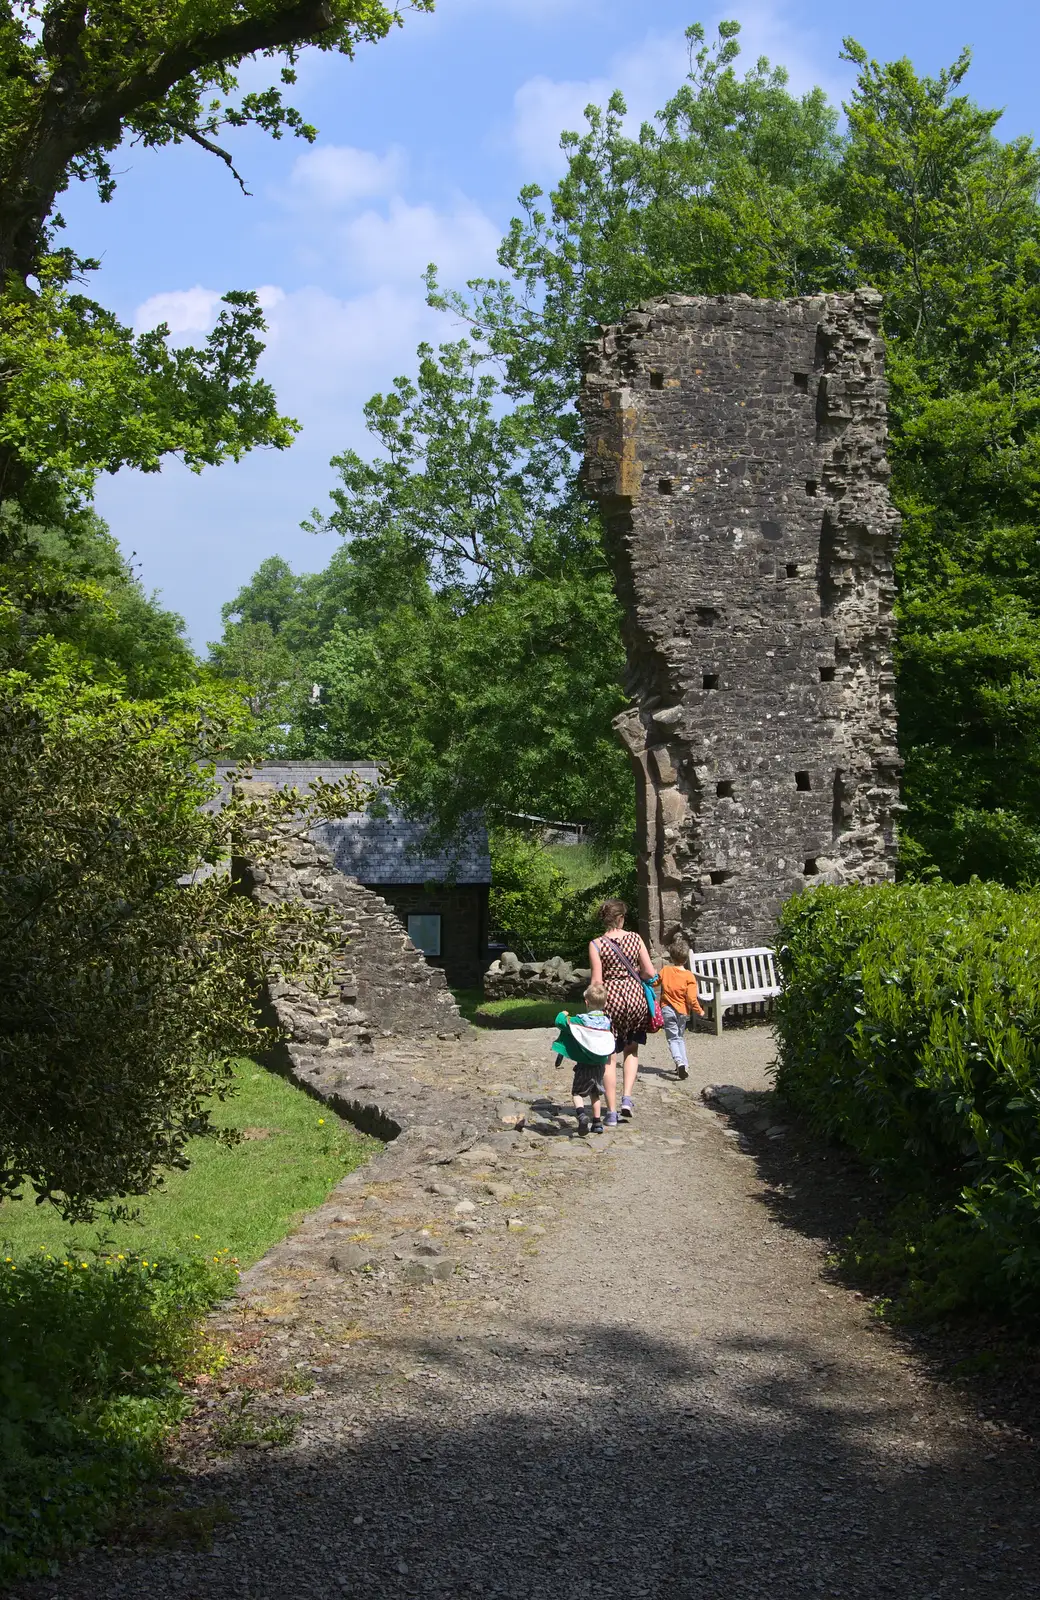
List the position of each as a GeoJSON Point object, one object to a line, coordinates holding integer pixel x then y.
{"type": "Point", "coordinates": [720, 877]}
{"type": "Point", "coordinates": [791, 569]}
{"type": "Point", "coordinates": [710, 680]}
{"type": "Point", "coordinates": [802, 781]}
{"type": "Point", "coordinates": [665, 486]}
{"type": "Point", "coordinates": [810, 485]}
{"type": "Point", "coordinates": [707, 616]}
{"type": "Point", "coordinates": [656, 380]}
{"type": "Point", "coordinates": [826, 674]}
{"type": "Point", "coordinates": [810, 869]}
{"type": "Point", "coordinates": [724, 789]}
{"type": "Point", "coordinates": [801, 382]}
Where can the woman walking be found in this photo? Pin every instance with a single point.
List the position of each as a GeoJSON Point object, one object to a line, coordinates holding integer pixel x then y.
{"type": "Point", "coordinates": [619, 961]}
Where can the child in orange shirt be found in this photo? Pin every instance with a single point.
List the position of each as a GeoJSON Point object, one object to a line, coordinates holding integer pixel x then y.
{"type": "Point", "coordinates": [678, 1000]}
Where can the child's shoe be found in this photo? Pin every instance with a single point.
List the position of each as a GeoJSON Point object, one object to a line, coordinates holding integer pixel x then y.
{"type": "Point", "coordinates": [583, 1123]}
{"type": "Point", "coordinates": [627, 1108]}
{"type": "Point", "coordinates": [681, 1071]}
{"type": "Point", "coordinates": [597, 1124]}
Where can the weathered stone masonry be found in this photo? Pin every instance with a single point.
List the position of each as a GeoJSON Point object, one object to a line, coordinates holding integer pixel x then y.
{"type": "Point", "coordinates": [382, 992]}
{"type": "Point", "coordinates": [737, 451]}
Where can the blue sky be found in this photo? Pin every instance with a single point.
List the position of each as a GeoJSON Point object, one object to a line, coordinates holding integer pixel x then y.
{"type": "Point", "coordinates": [424, 141]}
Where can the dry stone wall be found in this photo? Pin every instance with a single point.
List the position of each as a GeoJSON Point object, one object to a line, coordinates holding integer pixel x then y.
{"type": "Point", "coordinates": [737, 450]}
{"type": "Point", "coordinates": [509, 978]}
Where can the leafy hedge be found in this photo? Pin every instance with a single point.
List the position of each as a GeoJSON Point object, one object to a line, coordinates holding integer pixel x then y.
{"type": "Point", "coordinates": [93, 1351]}
{"type": "Point", "coordinates": [909, 1029]}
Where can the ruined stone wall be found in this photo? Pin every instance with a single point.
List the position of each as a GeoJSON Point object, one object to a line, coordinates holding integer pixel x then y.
{"type": "Point", "coordinates": [463, 910]}
{"type": "Point", "coordinates": [737, 451]}
{"type": "Point", "coordinates": [381, 985]}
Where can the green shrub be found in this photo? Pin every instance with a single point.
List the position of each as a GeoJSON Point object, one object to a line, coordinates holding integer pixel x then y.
{"type": "Point", "coordinates": [909, 1028]}
{"type": "Point", "coordinates": [125, 993]}
{"type": "Point", "coordinates": [924, 1263]}
{"type": "Point", "coordinates": [93, 1351]}
{"type": "Point", "coordinates": [528, 894]}
{"type": "Point", "coordinates": [582, 911]}
{"type": "Point", "coordinates": [544, 903]}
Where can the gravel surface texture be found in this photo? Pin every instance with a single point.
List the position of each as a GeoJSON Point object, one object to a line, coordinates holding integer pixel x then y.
{"type": "Point", "coordinates": [547, 1367]}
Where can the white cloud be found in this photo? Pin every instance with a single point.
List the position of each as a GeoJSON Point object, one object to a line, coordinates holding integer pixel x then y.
{"type": "Point", "coordinates": [183, 310]}
{"type": "Point", "coordinates": [396, 246]}
{"type": "Point", "coordinates": [650, 73]}
{"type": "Point", "coordinates": [269, 295]}
{"type": "Point", "coordinates": [542, 108]}
{"type": "Point", "coordinates": [326, 355]}
{"type": "Point", "coordinates": [189, 312]}
{"type": "Point", "coordinates": [387, 240]}
{"type": "Point", "coordinates": [329, 176]}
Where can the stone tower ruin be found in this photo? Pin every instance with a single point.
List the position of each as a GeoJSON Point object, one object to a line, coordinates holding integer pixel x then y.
{"type": "Point", "coordinates": [736, 448]}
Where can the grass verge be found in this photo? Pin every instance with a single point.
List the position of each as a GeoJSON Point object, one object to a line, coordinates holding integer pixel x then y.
{"type": "Point", "coordinates": [515, 1013]}
{"type": "Point", "coordinates": [100, 1327]}
{"type": "Point", "coordinates": [237, 1200]}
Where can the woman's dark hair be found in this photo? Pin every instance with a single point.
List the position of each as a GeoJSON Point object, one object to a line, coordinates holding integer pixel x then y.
{"type": "Point", "coordinates": [612, 911]}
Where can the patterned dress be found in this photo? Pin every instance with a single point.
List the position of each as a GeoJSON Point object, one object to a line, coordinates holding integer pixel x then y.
{"type": "Point", "coordinates": [626, 1000]}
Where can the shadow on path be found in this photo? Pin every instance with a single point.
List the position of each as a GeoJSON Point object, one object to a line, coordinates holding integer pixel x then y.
{"type": "Point", "coordinates": [612, 1464]}
{"type": "Point", "coordinates": [820, 1191]}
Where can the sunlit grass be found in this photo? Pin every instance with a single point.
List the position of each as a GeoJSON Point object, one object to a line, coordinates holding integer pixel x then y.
{"type": "Point", "coordinates": [514, 1013]}
{"type": "Point", "coordinates": [582, 865]}
{"type": "Point", "coordinates": [240, 1199]}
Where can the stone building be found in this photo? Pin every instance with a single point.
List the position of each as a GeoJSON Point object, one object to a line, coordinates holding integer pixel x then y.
{"type": "Point", "coordinates": [736, 448]}
{"type": "Point", "coordinates": [439, 895]}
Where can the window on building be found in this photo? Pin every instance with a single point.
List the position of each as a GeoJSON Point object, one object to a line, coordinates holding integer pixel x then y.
{"type": "Point", "coordinates": [424, 930]}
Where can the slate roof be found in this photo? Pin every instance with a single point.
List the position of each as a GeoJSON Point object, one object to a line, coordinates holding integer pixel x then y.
{"type": "Point", "coordinates": [380, 849]}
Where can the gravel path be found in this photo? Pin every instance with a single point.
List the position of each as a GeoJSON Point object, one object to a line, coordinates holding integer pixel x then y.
{"type": "Point", "coordinates": [635, 1382]}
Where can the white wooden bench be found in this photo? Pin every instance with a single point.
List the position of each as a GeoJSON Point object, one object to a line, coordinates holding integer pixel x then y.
{"type": "Point", "coordinates": [734, 978]}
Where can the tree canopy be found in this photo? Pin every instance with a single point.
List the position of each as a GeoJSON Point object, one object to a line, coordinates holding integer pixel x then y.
{"type": "Point", "coordinates": [123, 990]}
{"type": "Point", "coordinates": [79, 393]}
{"type": "Point", "coordinates": [466, 633]}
